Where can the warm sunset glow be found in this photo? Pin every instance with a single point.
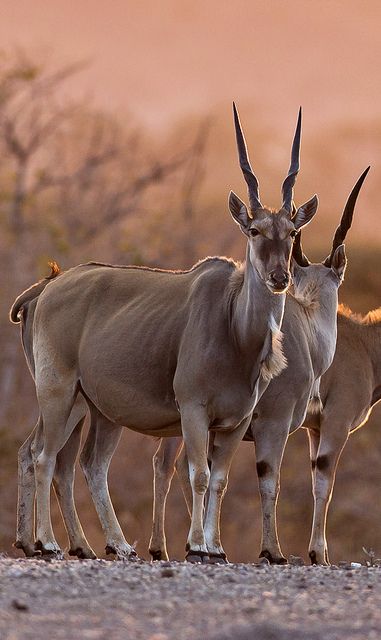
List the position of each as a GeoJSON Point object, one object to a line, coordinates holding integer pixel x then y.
{"type": "Point", "coordinates": [118, 146]}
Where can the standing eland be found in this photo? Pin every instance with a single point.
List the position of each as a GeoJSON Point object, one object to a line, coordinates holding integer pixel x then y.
{"type": "Point", "coordinates": [348, 390]}
{"type": "Point", "coordinates": [165, 353]}
{"type": "Point", "coordinates": [309, 341]}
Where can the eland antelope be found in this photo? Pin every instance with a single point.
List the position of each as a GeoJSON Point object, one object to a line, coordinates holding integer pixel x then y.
{"type": "Point", "coordinates": [348, 390]}
{"type": "Point", "coordinates": [165, 353]}
{"type": "Point", "coordinates": [309, 341]}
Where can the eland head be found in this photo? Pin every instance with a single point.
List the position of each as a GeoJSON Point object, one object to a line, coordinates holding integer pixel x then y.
{"type": "Point", "coordinates": [270, 233]}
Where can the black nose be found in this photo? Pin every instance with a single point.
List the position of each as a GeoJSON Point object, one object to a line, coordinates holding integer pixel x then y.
{"type": "Point", "coordinates": [279, 279]}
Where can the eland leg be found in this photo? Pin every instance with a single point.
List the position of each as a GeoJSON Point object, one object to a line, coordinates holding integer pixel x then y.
{"type": "Point", "coordinates": [63, 483]}
{"type": "Point", "coordinates": [26, 489]}
{"type": "Point", "coordinates": [182, 470]}
{"type": "Point", "coordinates": [163, 468]}
{"type": "Point", "coordinates": [313, 440]}
{"type": "Point", "coordinates": [55, 404]}
{"type": "Point", "coordinates": [195, 425]}
{"type": "Point", "coordinates": [325, 455]}
{"type": "Point", "coordinates": [224, 447]}
{"type": "Point", "coordinates": [100, 446]}
{"type": "Point", "coordinates": [270, 442]}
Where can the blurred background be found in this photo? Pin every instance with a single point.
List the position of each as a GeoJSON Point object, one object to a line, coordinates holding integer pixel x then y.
{"type": "Point", "coordinates": [117, 145]}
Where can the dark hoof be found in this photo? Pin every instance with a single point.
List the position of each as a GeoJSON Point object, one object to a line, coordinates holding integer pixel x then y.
{"type": "Point", "coordinates": [272, 559]}
{"type": "Point", "coordinates": [156, 555]}
{"type": "Point", "coordinates": [48, 554]}
{"type": "Point", "coordinates": [83, 554]}
{"type": "Point", "coordinates": [314, 559]}
{"type": "Point", "coordinates": [197, 557]}
{"type": "Point", "coordinates": [218, 558]}
{"type": "Point", "coordinates": [29, 550]}
{"type": "Point", "coordinates": [132, 556]}
{"type": "Point", "coordinates": [110, 551]}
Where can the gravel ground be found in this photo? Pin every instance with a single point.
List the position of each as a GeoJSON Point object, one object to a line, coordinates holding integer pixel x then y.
{"type": "Point", "coordinates": [99, 599]}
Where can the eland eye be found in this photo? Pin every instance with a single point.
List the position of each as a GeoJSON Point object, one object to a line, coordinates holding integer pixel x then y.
{"type": "Point", "coordinates": [294, 233]}
{"type": "Point", "coordinates": [254, 232]}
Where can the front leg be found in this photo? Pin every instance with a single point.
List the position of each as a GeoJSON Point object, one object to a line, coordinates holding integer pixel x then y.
{"type": "Point", "coordinates": [224, 448]}
{"type": "Point", "coordinates": [270, 441]}
{"type": "Point", "coordinates": [314, 440]}
{"type": "Point", "coordinates": [331, 445]}
{"type": "Point", "coordinates": [195, 425]}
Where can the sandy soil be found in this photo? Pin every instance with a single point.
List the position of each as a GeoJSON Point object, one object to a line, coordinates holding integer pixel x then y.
{"type": "Point", "coordinates": [99, 599]}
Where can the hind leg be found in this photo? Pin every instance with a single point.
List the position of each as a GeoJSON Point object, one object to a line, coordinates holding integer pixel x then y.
{"type": "Point", "coordinates": [102, 440]}
{"type": "Point", "coordinates": [26, 491]}
{"type": "Point", "coordinates": [182, 470]}
{"type": "Point", "coordinates": [56, 396]}
{"type": "Point", "coordinates": [164, 468]}
{"type": "Point", "coordinates": [63, 482]}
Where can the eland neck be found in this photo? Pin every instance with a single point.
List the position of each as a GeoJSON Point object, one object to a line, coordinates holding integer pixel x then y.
{"type": "Point", "coordinates": [255, 308]}
{"type": "Point", "coordinates": [320, 318]}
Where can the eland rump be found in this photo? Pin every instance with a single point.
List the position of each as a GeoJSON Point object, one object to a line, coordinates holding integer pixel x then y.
{"type": "Point", "coordinates": [165, 353]}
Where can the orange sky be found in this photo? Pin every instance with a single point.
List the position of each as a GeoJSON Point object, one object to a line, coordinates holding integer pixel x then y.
{"type": "Point", "coordinates": [162, 59]}
{"type": "Point", "coordinates": [166, 60]}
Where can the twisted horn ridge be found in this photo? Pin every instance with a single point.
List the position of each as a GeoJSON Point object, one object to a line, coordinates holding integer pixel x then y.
{"type": "Point", "coordinates": [251, 180]}
{"type": "Point", "coordinates": [288, 184]}
{"type": "Point", "coordinates": [346, 218]}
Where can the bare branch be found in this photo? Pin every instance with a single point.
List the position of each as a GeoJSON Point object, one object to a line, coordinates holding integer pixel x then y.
{"type": "Point", "coordinates": [157, 173]}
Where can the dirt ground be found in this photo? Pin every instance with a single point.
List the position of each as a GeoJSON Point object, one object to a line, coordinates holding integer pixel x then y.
{"type": "Point", "coordinates": [99, 599]}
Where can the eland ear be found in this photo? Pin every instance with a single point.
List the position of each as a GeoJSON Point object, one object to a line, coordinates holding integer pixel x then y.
{"type": "Point", "coordinates": [239, 212]}
{"type": "Point", "coordinates": [339, 262]}
{"type": "Point", "coordinates": [305, 213]}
